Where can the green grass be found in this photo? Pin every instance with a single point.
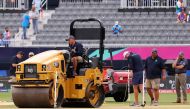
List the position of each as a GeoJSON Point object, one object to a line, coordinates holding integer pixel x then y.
{"type": "Point", "coordinates": [165, 99]}
{"type": "Point", "coordinates": [5, 96]}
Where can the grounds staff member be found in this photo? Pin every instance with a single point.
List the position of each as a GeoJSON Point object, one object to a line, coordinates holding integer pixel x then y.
{"type": "Point", "coordinates": [31, 54]}
{"type": "Point", "coordinates": [14, 61]}
{"type": "Point", "coordinates": [155, 69]}
{"type": "Point", "coordinates": [76, 50]}
{"type": "Point", "coordinates": [180, 65]}
{"type": "Point", "coordinates": [135, 64]}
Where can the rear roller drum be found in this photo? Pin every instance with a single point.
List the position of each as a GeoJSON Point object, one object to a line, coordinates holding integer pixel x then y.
{"type": "Point", "coordinates": [94, 95]}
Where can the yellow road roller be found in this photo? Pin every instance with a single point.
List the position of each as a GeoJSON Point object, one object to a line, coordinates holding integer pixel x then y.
{"type": "Point", "coordinates": [45, 80]}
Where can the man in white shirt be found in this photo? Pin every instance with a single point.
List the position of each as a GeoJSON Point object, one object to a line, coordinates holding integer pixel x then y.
{"type": "Point", "coordinates": [34, 15]}
{"type": "Point", "coordinates": [37, 4]}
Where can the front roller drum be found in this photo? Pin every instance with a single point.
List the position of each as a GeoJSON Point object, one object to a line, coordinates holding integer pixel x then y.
{"type": "Point", "coordinates": [35, 97]}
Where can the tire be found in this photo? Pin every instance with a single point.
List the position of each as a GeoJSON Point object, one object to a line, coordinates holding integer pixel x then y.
{"type": "Point", "coordinates": [94, 95]}
{"type": "Point", "coordinates": [120, 96]}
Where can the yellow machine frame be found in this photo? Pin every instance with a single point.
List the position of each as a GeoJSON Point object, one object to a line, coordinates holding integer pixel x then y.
{"type": "Point", "coordinates": [43, 81]}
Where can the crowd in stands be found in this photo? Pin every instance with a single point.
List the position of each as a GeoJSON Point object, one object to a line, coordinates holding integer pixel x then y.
{"type": "Point", "coordinates": [33, 16]}
{"type": "Point", "coordinates": [182, 17]}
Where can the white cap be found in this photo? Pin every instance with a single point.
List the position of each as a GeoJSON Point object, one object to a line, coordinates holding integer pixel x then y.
{"type": "Point", "coordinates": [116, 22]}
{"type": "Point", "coordinates": [126, 53]}
{"type": "Point", "coordinates": [31, 53]}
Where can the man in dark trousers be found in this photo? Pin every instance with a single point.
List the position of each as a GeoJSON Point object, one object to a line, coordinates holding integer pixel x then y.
{"type": "Point", "coordinates": [135, 64]}
{"type": "Point", "coordinates": [180, 66]}
{"type": "Point", "coordinates": [76, 50]}
{"type": "Point", "coordinates": [14, 61]}
{"type": "Point", "coordinates": [155, 69]}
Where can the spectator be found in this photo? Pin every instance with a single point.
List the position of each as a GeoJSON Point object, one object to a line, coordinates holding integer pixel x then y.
{"type": "Point", "coordinates": [179, 6]}
{"type": "Point", "coordinates": [25, 24]}
{"type": "Point", "coordinates": [137, 3]}
{"type": "Point", "coordinates": [1, 39]}
{"type": "Point", "coordinates": [182, 17]}
{"type": "Point", "coordinates": [34, 16]}
{"type": "Point", "coordinates": [6, 36]}
{"type": "Point", "coordinates": [188, 17]}
{"type": "Point", "coordinates": [117, 29]}
{"type": "Point", "coordinates": [37, 4]}
{"type": "Point", "coordinates": [135, 64]}
{"type": "Point", "coordinates": [180, 66]}
{"type": "Point", "coordinates": [15, 60]}
{"type": "Point", "coordinates": [155, 69]}
{"type": "Point", "coordinates": [30, 54]}
{"type": "Point", "coordinates": [76, 50]}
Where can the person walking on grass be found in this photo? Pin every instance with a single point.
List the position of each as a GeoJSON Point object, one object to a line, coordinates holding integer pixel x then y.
{"type": "Point", "coordinates": [155, 70]}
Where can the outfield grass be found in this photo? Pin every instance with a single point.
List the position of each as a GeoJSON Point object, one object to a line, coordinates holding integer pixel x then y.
{"type": "Point", "coordinates": [5, 96]}
{"type": "Point", "coordinates": [165, 100]}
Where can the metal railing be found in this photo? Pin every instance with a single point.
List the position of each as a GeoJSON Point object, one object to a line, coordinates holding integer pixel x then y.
{"type": "Point", "coordinates": [82, 0]}
{"type": "Point", "coordinates": [14, 4]}
{"type": "Point", "coordinates": [188, 3]}
{"type": "Point", "coordinates": [44, 3]}
{"type": "Point", "coordinates": [148, 3]}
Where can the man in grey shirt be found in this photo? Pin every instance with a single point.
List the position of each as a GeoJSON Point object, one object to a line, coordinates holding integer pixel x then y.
{"type": "Point", "coordinates": [180, 65]}
{"type": "Point", "coordinates": [34, 15]}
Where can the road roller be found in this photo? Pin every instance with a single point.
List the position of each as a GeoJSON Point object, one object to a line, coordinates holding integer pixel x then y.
{"type": "Point", "coordinates": [46, 81]}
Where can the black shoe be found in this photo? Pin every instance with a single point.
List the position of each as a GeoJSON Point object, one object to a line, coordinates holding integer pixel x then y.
{"type": "Point", "coordinates": [177, 101]}
{"type": "Point", "coordinates": [152, 101]}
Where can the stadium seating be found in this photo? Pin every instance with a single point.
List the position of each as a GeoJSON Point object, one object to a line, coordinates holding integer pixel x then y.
{"type": "Point", "coordinates": [11, 20]}
{"type": "Point", "coordinates": [140, 28]}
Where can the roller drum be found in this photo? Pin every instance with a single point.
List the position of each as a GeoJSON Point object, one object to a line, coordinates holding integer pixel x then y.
{"type": "Point", "coordinates": [32, 97]}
